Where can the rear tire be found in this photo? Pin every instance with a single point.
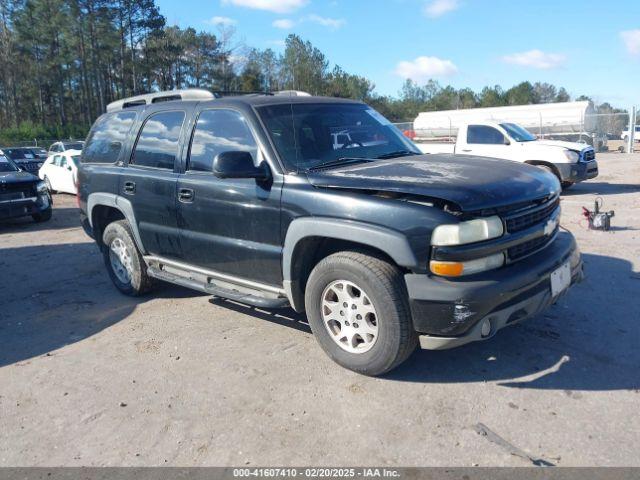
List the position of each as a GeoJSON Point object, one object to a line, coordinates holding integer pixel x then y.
{"type": "Point", "coordinates": [372, 341]}
{"type": "Point", "coordinates": [123, 260]}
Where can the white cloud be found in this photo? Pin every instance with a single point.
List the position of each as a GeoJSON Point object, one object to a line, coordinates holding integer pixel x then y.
{"type": "Point", "coordinates": [224, 21]}
{"type": "Point", "coordinates": [277, 6]}
{"type": "Point", "coordinates": [283, 23]}
{"type": "Point", "coordinates": [536, 59]}
{"type": "Point", "coordinates": [423, 68]}
{"type": "Point", "coordinates": [631, 39]}
{"type": "Point", "coordinates": [334, 23]}
{"type": "Point", "coordinates": [437, 8]}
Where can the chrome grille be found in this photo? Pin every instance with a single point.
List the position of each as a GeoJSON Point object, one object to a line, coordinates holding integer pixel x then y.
{"type": "Point", "coordinates": [588, 155]}
{"type": "Point", "coordinates": [527, 248]}
{"type": "Point", "coordinates": [528, 218]}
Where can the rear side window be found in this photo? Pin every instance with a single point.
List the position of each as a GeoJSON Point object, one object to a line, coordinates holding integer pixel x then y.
{"type": "Point", "coordinates": [157, 145]}
{"type": "Point", "coordinates": [482, 134]}
{"type": "Point", "coordinates": [219, 131]}
{"type": "Point", "coordinates": [107, 138]}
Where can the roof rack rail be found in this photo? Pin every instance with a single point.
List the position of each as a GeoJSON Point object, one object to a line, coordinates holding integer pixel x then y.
{"type": "Point", "coordinates": [292, 93]}
{"type": "Point", "coordinates": [233, 93]}
{"type": "Point", "coordinates": [281, 93]}
{"type": "Point", "coordinates": [157, 97]}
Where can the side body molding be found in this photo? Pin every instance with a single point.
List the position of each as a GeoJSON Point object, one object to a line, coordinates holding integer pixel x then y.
{"type": "Point", "coordinates": [391, 242]}
{"type": "Point", "coordinates": [119, 203]}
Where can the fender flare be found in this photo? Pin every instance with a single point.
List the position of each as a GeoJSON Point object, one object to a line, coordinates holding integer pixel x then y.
{"type": "Point", "coordinates": [119, 203]}
{"type": "Point", "coordinates": [391, 242]}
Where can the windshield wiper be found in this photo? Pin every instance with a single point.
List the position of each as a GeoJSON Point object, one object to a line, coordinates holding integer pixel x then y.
{"type": "Point", "coordinates": [397, 153]}
{"type": "Point", "coordinates": [340, 162]}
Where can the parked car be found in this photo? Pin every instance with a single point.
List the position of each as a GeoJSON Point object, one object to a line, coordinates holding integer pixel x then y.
{"type": "Point", "coordinates": [636, 134]}
{"type": "Point", "coordinates": [24, 158]}
{"type": "Point", "coordinates": [39, 152]}
{"type": "Point", "coordinates": [60, 171]}
{"type": "Point", "coordinates": [21, 193]}
{"type": "Point", "coordinates": [569, 162]}
{"type": "Point", "coordinates": [249, 198]}
{"type": "Point", "coordinates": [61, 147]}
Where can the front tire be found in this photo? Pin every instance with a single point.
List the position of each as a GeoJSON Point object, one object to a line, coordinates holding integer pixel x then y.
{"type": "Point", "coordinates": [358, 310]}
{"type": "Point", "coordinates": [123, 260]}
{"type": "Point", "coordinates": [43, 216]}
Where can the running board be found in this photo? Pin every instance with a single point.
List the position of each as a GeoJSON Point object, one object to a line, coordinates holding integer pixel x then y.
{"type": "Point", "coordinates": [220, 285]}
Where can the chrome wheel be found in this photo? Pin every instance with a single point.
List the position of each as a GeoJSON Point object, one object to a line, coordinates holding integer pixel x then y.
{"type": "Point", "coordinates": [120, 259]}
{"type": "Point", "coordinates": [349, 316]}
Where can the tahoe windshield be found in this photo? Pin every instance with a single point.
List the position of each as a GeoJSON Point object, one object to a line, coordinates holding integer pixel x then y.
{"type": "Point", "coordinates": [518, 133]}
{"type": "Point", "coordinates": [6, 165]}
{"type": "Point", "coordinates": [312, 135]}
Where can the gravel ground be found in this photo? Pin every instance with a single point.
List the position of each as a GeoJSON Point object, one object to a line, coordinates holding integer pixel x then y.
{"type": "Point", "coordinates": [90, 377]}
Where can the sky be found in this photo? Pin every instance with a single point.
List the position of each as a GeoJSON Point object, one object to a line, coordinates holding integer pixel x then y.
{"type": "Point", "coordinates": [590, 47]}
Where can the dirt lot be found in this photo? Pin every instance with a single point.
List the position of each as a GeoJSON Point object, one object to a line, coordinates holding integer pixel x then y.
{"type": "Point", "coordinates": [90, 377]}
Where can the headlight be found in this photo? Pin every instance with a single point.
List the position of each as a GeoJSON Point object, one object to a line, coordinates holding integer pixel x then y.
{"type": "Point", "coordinates": [42, 188]}
{"type": "Point", "coordinates": [467, 232]}
{"type": "Point", "coordinates": [458, 269]}
{"type": "Point", "coordinates": [572, 155]}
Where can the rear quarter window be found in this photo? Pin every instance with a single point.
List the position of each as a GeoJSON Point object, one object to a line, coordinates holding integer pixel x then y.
{"type": "Point", "coordinates": [107, 138]}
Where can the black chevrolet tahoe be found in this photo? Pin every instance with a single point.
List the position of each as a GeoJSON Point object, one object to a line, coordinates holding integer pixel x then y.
{"type": "Point", "coordinates": [22, 194]}
{"type": "Point", "coordinates": [322, 205]}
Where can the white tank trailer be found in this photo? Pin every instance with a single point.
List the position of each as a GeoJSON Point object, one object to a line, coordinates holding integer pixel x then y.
{"type": "Point", "coordinates": [570, 121]}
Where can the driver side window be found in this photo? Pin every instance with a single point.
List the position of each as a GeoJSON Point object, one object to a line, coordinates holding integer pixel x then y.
{"type": "Point", "coordinates": [219, 131]}
{"type": "Point", "coordinates": [484, 135]}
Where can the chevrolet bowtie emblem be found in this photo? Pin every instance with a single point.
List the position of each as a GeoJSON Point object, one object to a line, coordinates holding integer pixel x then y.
{"type": "Point", "coordinates": [550, 226]}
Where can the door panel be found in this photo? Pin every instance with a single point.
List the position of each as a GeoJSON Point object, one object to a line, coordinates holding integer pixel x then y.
{"type": "Point", "coordinates": [228, 225]}
{"type": "Point", "coordinates": [486, 141]}
{"type": "Point", "coordinates": [149, 182]}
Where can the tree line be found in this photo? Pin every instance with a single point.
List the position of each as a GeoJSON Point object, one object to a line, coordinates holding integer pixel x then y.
{"type": "Point", "coordinates": [63, 61]}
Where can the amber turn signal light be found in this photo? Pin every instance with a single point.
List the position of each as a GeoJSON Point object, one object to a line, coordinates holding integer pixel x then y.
{"type": "Point", "coordinates": [447, 269]}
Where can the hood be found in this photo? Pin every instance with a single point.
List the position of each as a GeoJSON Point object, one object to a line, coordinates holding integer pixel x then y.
{"type": "Point", "coordinates": [472, 183]}
{"type": "Point", "coordinates": [560, 144]}
{"type": "Point", "coordinates": [17, 177]}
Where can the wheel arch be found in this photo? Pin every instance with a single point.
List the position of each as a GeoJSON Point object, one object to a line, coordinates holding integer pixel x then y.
{"type": "Point", "coordinates": [553, 167]}
{"type": "Point", "coordinates": [309, 240]}
{"type": "Point", "coordinates": [104, 208]}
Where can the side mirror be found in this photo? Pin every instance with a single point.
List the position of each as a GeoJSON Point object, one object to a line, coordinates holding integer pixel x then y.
{"type": "Point", "coordinates": [238, 164]}
{"type": "Point", "coordinates": [69, 167]}
{"type": "Point", "coordinates": [506, 141]}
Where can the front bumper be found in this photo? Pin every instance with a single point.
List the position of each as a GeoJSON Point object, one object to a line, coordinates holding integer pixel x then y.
{"type": "Point", "coordinates": [24, 207]}
{"type": "Point", "coordinates": [450, 312]}
{"type": "Point", "coordinates": [577, 172]}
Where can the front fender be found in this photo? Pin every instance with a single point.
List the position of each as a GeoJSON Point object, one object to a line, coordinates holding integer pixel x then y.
{"type": "Point", "coordinates": [393, 243]}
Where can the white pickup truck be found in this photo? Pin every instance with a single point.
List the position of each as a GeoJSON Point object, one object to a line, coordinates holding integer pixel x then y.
{"type": "Point", "coordinates": [570, 162]}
